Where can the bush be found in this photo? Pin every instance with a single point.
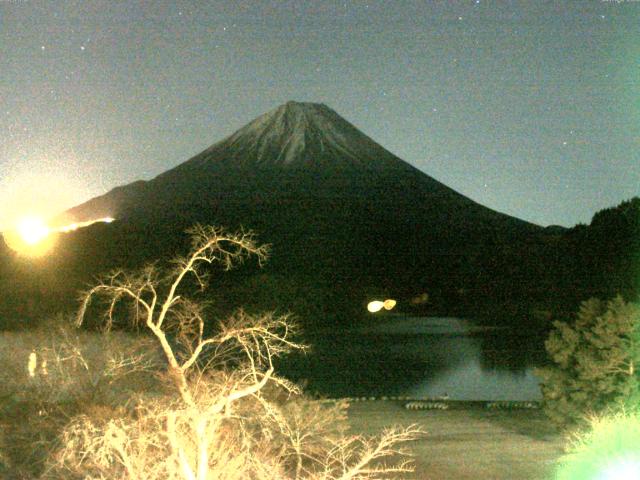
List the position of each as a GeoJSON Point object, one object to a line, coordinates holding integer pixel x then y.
{"type": "Point", "coordinates": [609, 449]}
{"type": "Point", "coordinates": [595, 362]}
{"type": "Point", "coordinates": [220, 417]}
{"type": "Point", "coordinates": [53, 374]}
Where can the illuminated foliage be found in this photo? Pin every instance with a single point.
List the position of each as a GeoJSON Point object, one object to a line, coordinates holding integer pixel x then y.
{"type": "Point", "coordinates": [595, 361]}
{"type": "Point", "coordinates": [609, 449]}
{"type": "Point", "coordinates": [218, 421]}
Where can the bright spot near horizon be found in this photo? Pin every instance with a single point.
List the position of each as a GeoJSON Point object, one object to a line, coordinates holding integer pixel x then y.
{"type": "Point", "coordinates": [377, 305]}
{"type": "Point", "coordinates": [32, 229]}
{"type": "Point", "coordinates": [32, 237]}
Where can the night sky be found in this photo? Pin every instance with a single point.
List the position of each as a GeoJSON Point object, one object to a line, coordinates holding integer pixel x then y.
{"type": "Point", "coordinates": [529, 107]}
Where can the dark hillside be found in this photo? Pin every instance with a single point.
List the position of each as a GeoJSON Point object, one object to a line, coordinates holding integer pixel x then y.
{"type": "Point", "coordinates": [345, 217]}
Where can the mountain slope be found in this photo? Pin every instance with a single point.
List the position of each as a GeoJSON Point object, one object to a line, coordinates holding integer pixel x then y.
{"type": "Point", "coordinates": [301, 148]}
{"type": "Point", "coordinates": [337, 207]}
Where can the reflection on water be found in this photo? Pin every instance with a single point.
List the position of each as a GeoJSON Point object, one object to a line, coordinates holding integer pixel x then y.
{"type": "Point", "coordinates": [422, 357]}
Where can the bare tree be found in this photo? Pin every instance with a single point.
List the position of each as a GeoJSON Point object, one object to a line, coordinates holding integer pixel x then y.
{"type": "Point", "coordinates": [221, 425]}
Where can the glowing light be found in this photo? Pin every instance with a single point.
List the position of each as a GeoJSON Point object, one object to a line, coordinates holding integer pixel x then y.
{"type": "Point", "coordinates": [389, 304]}
{"type": "Point", "coordinates": [33, 237]}
{"type": "Point", "coordinates": [74, 226]}
{"type": "Point", "coordinates": [609, 450]}
{"type": "Point", "coordinates": [30, 236]}
{"type": "Point", "coordinates": [420, 299]}
{"type": "Point", "coordinates": [377, 305]}
{"type": "Point", "coordinates": [32, 230]}
{"type": "Point", "coordinates": [627, 469]}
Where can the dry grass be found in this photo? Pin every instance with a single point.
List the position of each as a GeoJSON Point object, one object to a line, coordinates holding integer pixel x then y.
{"type": "Point", "coordinates": [50, 375]}
{"type": "Point", "coordinates": [210, 416]}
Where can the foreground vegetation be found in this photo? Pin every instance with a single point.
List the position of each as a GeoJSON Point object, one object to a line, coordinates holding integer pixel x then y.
{"type": "Point", "coordinates": [195, 406]}
{"type": "Point", "coordinates": [177, 397]}
{"type": "Point", "coordinates": [609, 448]}
{"type": "Point", "coordinates": [595, 362]}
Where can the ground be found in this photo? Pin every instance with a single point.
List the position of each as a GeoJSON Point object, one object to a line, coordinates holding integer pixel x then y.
{"type": "Point", "coordinates": [469, 442]}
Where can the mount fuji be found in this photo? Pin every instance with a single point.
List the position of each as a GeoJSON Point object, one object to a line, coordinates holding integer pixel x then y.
{"type": "Point", "coordinates": [337, 207]}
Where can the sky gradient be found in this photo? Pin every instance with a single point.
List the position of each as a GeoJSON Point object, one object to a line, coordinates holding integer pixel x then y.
{"type": "Point", "coordinates": [531, 108]}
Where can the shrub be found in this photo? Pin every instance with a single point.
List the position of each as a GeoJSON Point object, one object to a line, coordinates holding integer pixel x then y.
{"type": "Point", "coordinates": [53, 374]}
{"type": "Point", "coordinates": [609, 449]}
{"type": "Point", "coordinates": [219, 421]}
{"type": "Point", "coordinates": [595, 362]}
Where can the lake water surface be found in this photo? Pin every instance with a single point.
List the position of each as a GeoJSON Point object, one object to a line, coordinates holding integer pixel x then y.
{"type": "Point", "coordinates": [423, 357]}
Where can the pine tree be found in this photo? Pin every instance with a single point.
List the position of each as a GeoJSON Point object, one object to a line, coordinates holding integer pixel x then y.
{"type": "Point", "coordinates": [596, 359]}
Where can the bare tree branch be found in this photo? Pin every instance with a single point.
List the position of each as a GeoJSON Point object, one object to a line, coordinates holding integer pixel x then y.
{"type": "Point", "coordinates": [207, 433]}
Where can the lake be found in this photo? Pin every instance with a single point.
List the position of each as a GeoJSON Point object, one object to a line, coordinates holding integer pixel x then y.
{"type": "Point", "coordinates": [422, 357]}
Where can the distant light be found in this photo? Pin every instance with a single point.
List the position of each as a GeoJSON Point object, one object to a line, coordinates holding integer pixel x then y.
{"type": "Point", "coordinates": [377, 305]}
{"type": "Point", "coordinates": [74, 226]}
{"type": "Point", "coordinates": [608, 450]}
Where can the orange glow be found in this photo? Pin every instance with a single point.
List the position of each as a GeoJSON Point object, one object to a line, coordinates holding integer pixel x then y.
{"type": "Point", "coordinates": [32, 237]}
{"type": "Point", "coordinates": [377, 305]}
{"type": "Point", "coordinates": [389, 304]}
{"type": "Point", "coordinates": [32, 230]}
{"type": "Point", "coordinates": [74, 226]}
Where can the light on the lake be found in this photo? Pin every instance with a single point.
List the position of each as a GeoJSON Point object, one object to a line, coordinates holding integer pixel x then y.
{"type": "Point", "coordinates": [420, 299]}
{"type": "Point", "coordinates": [32, 230]}
{"type": "Point", "coordinates": [377, 305]}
